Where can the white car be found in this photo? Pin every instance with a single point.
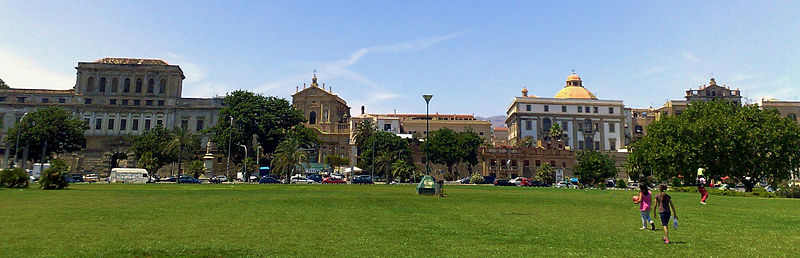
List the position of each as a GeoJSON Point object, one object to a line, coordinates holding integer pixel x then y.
{"type": "Point", "coordinates": [301, 180]}
{"type": "Point", "coordinates": [517, 180]}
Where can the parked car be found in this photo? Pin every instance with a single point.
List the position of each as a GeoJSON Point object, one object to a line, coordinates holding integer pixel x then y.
{"type": "Point", "coordinates": [168, 179]}
{"type": "Point", "coordinates": [91, 178]}
{"type": "Point", "coordinates": [465, 180]}
{"type": "Point", "coordinates": [362, 179]}
{"type": "Point", "coordinates": [562, 184]}
{"type": "Point", "coordinates": [269, 180]}
{"type": "Point", "coordinates": [333, 180]}
{"type": "Point", "coordinates": [317, 178]}
{"type": "Point", "coordinates": [610, 183]}
{"type": "Point", "coordinates": [301, 180]}
{"type": "Point", "coordinates": [218, 179]}
{"type": "Point", "coordinates": [187, 179]}
{"type": "Point", "coordinates": [488, 179]}
{"type": "Point", "coordinates": [75, 178]}
{"type": "Point", "coordinates": [501, 182]}
{"type": "Point", "coordinates": [338, 176]}
{"type": "Point", "coordinates": [518, 180]}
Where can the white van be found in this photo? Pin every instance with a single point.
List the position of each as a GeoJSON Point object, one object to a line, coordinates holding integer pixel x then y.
{"type": "Point", "coordinates": [129, 175]}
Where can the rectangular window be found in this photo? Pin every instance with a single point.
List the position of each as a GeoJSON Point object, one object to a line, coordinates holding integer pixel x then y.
{"type": "Point", "coordinates": [538, 163]}
{"type": "Point", "coordinates": [580, 145]}
{"type": "Point", "coordinates": [147, 124]}
{"type": "Point", "coordinates": [564, 126]}
{"type": "Point", "coordinates": [612, 144]}
{"type": "Point", "coordinates": [2, 98]}
{"type": "Point", "coordinates": [596, 127]}
{"type": "Point", "coordinates": [123, 124]}
{"type": "Point", "coordinates": [62, 100]}
{"type": "Point", "coordinates": [20, 99]}
{"type": "Point", "coordinates": [564, 109]}
{"type": "Point", "coordinates": [386, 127]}
{"type": "Point", "coordinates": [124, 102]}
{"type": "Point", "coordinates": [98, 124]}
{"type": "Point", "coordinates": [546, 108]}
{"type": "Point", "coordinates": [159, 122]}
{"type": "Point", "coordinates": [200, 125]}
{"type": "Point", "coordinates": [184, 124]}
{"type": "Point", "coordinates": [87, 101]}
{"type": "Point", "coordinates": [595, 110]}
{"type": "Point", "coordinates": [597, 145]}
{"type": "Point", "coordinates": [85, 121]}
{"type": "Point", "coordinates": [137, 102]}
{"type": "Point", "coordinates": [553, 163]}
{"type": "Point", "coordinates": [580, 109]}
{"type": "Point", "coordinates": [527, 107]}
{"type": "Point", "coordinates": [527, 163]}
{"type": "Point", "coordinates": [610, 110]}
{"type": "Point", "coordinates": [45, 100]}
{"type": "Point", "coordinates": [135, 125]}
{"type": "Point", "coordinates": [580, 126]}
{"type": "Point", "coordinates": [110, 124]}
{"type": "Point", "coordinates": [160, 102]}
{"type": "Point", "coordinates": [528, 125]}
{"type": "Point", "coordinates": [612, 127]}
{"type": "Point", "coordinates": [587, 109]}
{"type": "Point", "coordinates": [148, 102]}
{"type": "Point", "coordinates": [112, 101]}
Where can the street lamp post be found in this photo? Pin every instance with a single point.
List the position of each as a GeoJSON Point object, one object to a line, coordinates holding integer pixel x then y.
{"type": "Point", "coordinates": [427, 98]}
{"type": "Point", "coordinates": [228, 161]}
{"type": "Point", "coordinates": [16, 145]}
{"type": "Point", "coordinates": [245, 176]}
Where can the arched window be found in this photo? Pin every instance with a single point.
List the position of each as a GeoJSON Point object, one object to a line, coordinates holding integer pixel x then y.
{"type": "Point", "coordinates": [312, 118]}
{"type": "Point", "coordinates": [126, 86]}
{"type": "Point", "coordinates": [588, 127]}
{"type": "Point", "coordinates": [102, 84]}
{"type": "Point", "coordinates": [138, 85]}
{"type": "Point", "coordinates": [162, 86]}
{"type": "Point", "coordinates": [90, 84]}
{"type": "Point", "coordinates": [114, 84]}
{"type": "Point", "coordinates": [546, 123]}
{"type": "Point", "coordinates": [150, 85]}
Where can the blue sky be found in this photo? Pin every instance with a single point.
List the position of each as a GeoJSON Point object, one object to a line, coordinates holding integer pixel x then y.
{"type": "Point", "coordinates": [474, 56]}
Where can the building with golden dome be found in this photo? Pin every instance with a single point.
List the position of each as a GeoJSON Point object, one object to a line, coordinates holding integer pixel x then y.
{"type": "Point", "coordinates": [588, 123]}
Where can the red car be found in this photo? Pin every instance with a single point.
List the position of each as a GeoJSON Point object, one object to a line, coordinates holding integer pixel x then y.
{"type": "Point", "coordinates": [332, 180]}
{"type": "Point", "coordinates": [526, 182]}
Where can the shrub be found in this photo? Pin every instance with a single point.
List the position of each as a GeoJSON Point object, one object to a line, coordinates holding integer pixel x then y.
{"type": "Point", "coordinates": [476, 179]}
{"type": "Point", "coordinates": [789, 192]}
{"type": "Point", "coordinates": [763, 193]}
{"type": "Point", "coordinates": [448, 176]}
{"type": "Point", "coordinates": [676, 182]}
{"type": "Point", "coordinates": [14, 178]}
{"type": "Point", "coordinates": [55, 177]}
{"type": "Point", "coordinates": [621, 184]}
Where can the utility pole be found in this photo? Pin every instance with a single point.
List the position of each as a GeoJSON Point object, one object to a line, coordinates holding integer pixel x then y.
{"type": "Point", "coordinates": [228, 161]}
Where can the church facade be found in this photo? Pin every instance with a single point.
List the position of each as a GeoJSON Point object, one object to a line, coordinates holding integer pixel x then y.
{"type": "Point", "coordinates": [328, 115]}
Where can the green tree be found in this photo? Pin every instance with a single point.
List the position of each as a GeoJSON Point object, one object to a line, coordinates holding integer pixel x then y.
{"type": "Point", "coordinates": [362, 131]}
{"type": "Point", "coordinates": [743, 142]}
{"type": "Point", "coordinates": [442, 147]}
{"type": "Point", "coordinates": [527, 141]}
{"type": "Point", "coordinates": [546, 173]}
{"type": "Point", "coordinates": [334, 161]}
{"type": "Point", "coordinates": [195, 168]}
{"type": "Point", "coordinates": [150, 146]}
{"type": "Point", "coordinates": [3, 85]}
{"type": "Point", "coordinates": [268, 118]}
{"type": "Point", "coordinates": [55, 177]}
{"type": "Point", "coordinates": [556, 132]}
{"type": "Point", "coordinates": [468, 143]}
{"type": "Point", "coordinates": [14, 178]}
{"type": "Point", "coordinates": [594, 167]}
{"type": "Point", "coordinates": [52, 127]}
{"type": "Point", "coordinates": [383, 148]}
{"type": "Point", "coordinates": [288, 158]}
{"type": "Point", "coordinates": [402, 169]}
{"type": "Point", "coordinates": [182, 145]}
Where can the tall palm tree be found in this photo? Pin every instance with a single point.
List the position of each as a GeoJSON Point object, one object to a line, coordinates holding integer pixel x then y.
{"type": "Point", "coordinates": [556, 132]}
{"type": "Point", "coordinates": [288, 158]}
{"type": "Point", "coordinates": [363, 131]}
{"type": "Point", "coordinates": [181, 140]}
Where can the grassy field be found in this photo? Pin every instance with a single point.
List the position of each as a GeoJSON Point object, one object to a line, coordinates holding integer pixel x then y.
{"type": "Point", "coordinates": [379, 220]}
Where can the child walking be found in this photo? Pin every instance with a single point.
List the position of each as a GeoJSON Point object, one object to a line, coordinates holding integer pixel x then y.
{"type": "Point", "coordinates": [645, 202]}
{"type": "Point", "coordinates": [701, 187]}
{"type": "Point", "coordinates": [663, 205]}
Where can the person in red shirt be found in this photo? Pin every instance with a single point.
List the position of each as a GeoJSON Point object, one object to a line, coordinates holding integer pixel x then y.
{"type": "Point", "coordinates": [701, 187]}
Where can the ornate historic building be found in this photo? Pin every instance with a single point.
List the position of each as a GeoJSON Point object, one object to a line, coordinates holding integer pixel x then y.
{"type": "Point", "coordinates": [587, 122]}
{"type": "Point", "coordinates": [116, 97]}
{"type": "Point", "coordinates": [705, 92]}
{"type": "Point", "coordinates": [328, 115]}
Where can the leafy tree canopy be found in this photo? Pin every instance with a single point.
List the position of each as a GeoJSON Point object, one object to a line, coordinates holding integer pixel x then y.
{"type": "Point", "coordinates": [51, 125]}
{"type": "Point", "coordinates": [593, 167]}
{"type": "Point", "coordinates": [385, 148]}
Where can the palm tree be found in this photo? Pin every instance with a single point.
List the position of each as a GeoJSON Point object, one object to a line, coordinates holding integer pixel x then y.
{"type": "Point", "coordinates": [363, 131]}
{"type": "Point", "coordinates": [288, 158]}
{"type": "Point", "coordinates": [527, 141]}
{"type": "Point", "coordinates": [181, 140]}
{"type": "Point", "coordinates": [556, 132]}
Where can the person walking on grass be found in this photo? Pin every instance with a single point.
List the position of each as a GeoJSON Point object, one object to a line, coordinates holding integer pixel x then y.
{"type": "Point", "coordinates": [645, 201]}
{"type": "Point", "coordinates": [663, 205]}
{"type": "Point", "coordinates": [701, 187]}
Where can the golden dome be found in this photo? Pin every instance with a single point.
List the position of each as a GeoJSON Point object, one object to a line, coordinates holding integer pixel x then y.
{"type": "Point", "coordinates": [574, 92]}
{"type": "Point", "coordinates": [573, 77]}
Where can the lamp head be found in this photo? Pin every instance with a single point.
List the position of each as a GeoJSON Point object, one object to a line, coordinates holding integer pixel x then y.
{"type": "Point", "coordinates": [427, 97]}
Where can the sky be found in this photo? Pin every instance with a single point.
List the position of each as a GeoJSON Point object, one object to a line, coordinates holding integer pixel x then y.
{"type": "Point", "coordinates": [473, 56]}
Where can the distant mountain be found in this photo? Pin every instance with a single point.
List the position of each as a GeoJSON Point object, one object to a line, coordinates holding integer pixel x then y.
{"type": "Point", "coordinates": [497, 121]}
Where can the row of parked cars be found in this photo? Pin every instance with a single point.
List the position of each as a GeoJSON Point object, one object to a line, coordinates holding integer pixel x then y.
{"type": "Point", "coordinates": [300, 179]}
{"type": "Point", "coordinates": [519, 181]}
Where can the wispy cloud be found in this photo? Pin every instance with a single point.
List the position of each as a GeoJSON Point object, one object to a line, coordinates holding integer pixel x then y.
{"type": "Point", "coordinates": [197, 83]}
{"type": "Point", "coordinates": [341, 69]}
{"type": "Point", "coordinates": [22, 72]}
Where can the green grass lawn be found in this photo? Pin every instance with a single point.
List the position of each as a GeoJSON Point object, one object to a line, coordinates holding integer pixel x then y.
{"type": "Point", "coordinates": [379, 220]}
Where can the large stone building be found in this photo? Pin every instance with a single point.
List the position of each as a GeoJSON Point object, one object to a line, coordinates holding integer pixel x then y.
{"type": "Point", "coordinates": [328, 115]}
{"type": "Point", "coordinates": [588, 123]}
{"type": "Point", "coordinates": [511, 162]}
{"type": "Point", "coordinates": [704, 92]}
{"type": "Point", "coordinates": [787, 108]}
{"type": "Point", "coordinates": [116, 97]}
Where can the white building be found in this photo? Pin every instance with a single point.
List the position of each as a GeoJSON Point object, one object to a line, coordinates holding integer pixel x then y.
{"type": "Point", "coordinates": [588, 123]}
